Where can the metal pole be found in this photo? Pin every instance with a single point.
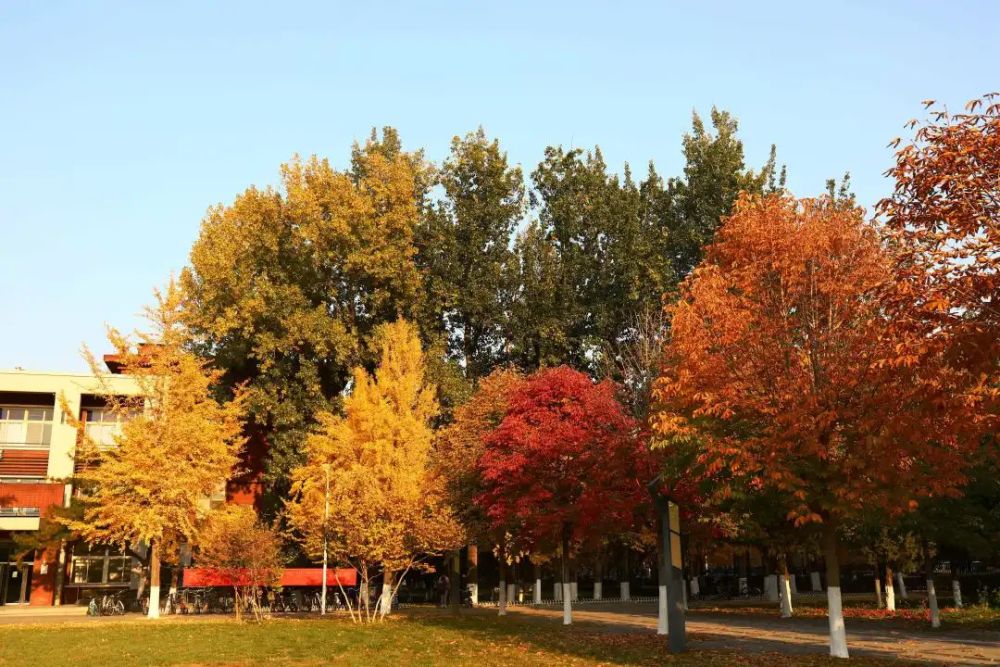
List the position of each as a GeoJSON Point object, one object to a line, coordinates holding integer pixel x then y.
{"type": "Point", "coordinates": [675, 578]}
{"type": "Point", "coordinates": [670, 544]}
{"type": "Point", "coordinates": [326, 516]}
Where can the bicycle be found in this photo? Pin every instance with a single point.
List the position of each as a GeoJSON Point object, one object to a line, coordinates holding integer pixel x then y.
{"type": "Point", "coordinates": [107, 605]}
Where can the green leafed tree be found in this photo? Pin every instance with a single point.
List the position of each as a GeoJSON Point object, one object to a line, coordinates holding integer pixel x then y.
{"type": "Point", "coordinates": [287, 286]}
{"type": "Point", "coordinates": [466, 253]}
{"type": "Point", "coordinates": [715, 173]}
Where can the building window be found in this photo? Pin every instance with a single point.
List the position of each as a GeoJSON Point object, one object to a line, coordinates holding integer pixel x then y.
{"type": "Point", "coordinates": [103, 425]}
{"type": "Point", "coordinates": [100, 565]}
{"type": "Point", "coordinates": [26, 426]}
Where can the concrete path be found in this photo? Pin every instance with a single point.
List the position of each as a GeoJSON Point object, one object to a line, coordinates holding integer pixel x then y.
{"type": "Point", "coordinates": [759, 633]}
{"type": "Point", "coordinates": [24, 614]}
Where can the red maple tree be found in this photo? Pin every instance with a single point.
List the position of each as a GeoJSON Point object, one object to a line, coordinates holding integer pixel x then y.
{"type": "Point", "coordinates": [565, 464]}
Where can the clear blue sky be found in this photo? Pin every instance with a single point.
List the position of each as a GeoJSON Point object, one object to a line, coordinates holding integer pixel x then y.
{"type": "Point", "coordinates": [122, 122]}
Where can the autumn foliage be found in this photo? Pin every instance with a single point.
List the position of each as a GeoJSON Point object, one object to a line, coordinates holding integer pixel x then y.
{"type": "Point", "coordinates": [945, 213]}
{"type": "Point", "coordinates": [368, 489]}
{"type": "Point", "coordinates": [564, 462]}
{"type": "Point", "coordinates": [782, 366]}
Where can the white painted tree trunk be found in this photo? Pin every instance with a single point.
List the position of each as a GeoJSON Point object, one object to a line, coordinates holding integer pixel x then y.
{"type": "Point", "coordinates": [154, 580]}
{"type": "Point", "coordinates": [932, 602]}
{"type": "Point", "coordinates": [598, 586]}
{"type": "Point", "coordinates": [890, 595]}
{"type": "Point", "coordinates": [661, 618]}
{"type": "Point", "coordinates": [502, 604]}
{"type": "Point", "coordinates": [838, 634]}
{"type": "Point", "coordinates": [537, 592]}
{"type": "Point", "coordinates": [386, 597]}
{"type": "Point", "coordinates": [625, 592]}
{"type": "Point", "coordinates": [557, 591]}
{"type": "Point", "coordinates": [574, 590]}
{"type": "Point", "coordinates": [879, 602]}
{"type": "Point", "coordinates": [902, 585]}
{"type": "Point", "coordinates": [835, 609]}
{"type": "Point", "coordinates": [744, 585]}
{"type": "Point", "coordinates": [567, 604]}
{"type": "Point", "coordinates": [817, 583]}
{"type": "Point", "coordinates": [786, 597]}
{"type": "Point", "coordinates": [695, 587]}
{"type": "Point", "coordinates": [474, 593]}
{"type": "Point", "coordinates": [154, 601]}
{"type": "Point", "coordinates": [956, 592]}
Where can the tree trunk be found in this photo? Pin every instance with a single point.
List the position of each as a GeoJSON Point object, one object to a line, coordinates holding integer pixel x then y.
{"type": "Point", "coordinates": [502, 602]}
{"type": "Point", "coordinates": [598, 579]}
{"type": "Point", "coordinates": [626, 576]}
{"type": "Point", "coordinates": [902, 584]}
{"type": "Point", "coordinates": [878, 588]}
{"type": "Point", "coordinates": [814, 580]}
{"type": "Point", "coordinates": [932, 600]}
{"type": "Point", "coordinates": [60, 574]}
{"type": "Point", "coordinates": [455, 581]}
{"type": "Point", "coordinates": [154, 579]}
{"type": "Point", "coordinates": [744, 571]}
{"type": "Point", "coordinates": [567, 592]}
{"type": "Point", "coordinates": [536, 592]}
{"type": "Point", "coordinates": [473, 556]}
{"type": "Point", "coordinates": [890, 591]}
{"type": "Point", "coordinates": [174, 578]}
{"type": "Point", "coordinates": [835, 612]}
{"type": "Point", "coordinates": [956, 592]}
{"type": "Point", "coordinates": [385, 600]}
{"type": "Point", "coordinates": [786, 587]}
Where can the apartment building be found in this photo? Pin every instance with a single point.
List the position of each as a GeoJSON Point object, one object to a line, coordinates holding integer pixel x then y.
{"type": "Point", "coordinates": [37, 446]}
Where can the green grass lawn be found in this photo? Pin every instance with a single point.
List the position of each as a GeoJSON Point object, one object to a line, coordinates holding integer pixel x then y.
{"type": "Point", "coordinates": [418, 639]}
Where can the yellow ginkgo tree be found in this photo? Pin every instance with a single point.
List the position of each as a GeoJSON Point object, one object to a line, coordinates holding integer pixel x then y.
{"type": "Point", "coordinates": [177, 445]}
{"type": "Point", "coordinates": [368, 492]}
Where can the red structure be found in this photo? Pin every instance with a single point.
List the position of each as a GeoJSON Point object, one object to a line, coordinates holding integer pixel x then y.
{"type": "Point", "coordinates": [293, 576]}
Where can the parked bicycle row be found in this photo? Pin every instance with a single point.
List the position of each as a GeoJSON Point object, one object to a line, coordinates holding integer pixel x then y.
{"type": "Point", "coordinates": [192, 601]}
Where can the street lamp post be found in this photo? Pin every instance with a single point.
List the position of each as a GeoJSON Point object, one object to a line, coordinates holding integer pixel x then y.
{"type": "Point", "coordinates": [326, 518]}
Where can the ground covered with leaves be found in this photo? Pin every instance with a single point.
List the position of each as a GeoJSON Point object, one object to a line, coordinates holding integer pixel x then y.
{"type": "Point", "coordinates": [908, 614]}
{"type": "Point", "coordinates": [428, 639]}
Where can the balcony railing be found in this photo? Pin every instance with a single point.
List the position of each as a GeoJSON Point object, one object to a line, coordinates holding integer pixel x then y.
{"type": "Point", "coordinates": [35, 435]}
{"type": "Point", "coordinates": [103, 434]}
{"type": "Point", "coordinates": [29, 512]}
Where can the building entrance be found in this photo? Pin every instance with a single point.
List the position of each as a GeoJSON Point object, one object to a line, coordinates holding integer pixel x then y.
{"type": "Point", "coordinates": [15, 583]}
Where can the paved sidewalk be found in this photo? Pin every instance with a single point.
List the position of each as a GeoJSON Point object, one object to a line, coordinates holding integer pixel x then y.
{"type": "Point", "coordinates": [25, 614]}
{"type": "Point", "coordinates": [797, 635]}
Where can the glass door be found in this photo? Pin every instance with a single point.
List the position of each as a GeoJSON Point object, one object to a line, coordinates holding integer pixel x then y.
{"type": "Point", "coordinates": [14, 583]}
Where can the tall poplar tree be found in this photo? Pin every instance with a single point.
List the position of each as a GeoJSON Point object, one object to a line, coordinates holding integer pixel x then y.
{"type": "Point", "coordinates": [465, 250]}
{"type": "Point", "coordinates": [715, 173]}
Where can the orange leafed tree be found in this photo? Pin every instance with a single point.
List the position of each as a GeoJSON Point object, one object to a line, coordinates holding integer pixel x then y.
{"type": "Point", "coordinates": [945, 211]}
{"type": "Point", "coordinates": [782, 366]}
